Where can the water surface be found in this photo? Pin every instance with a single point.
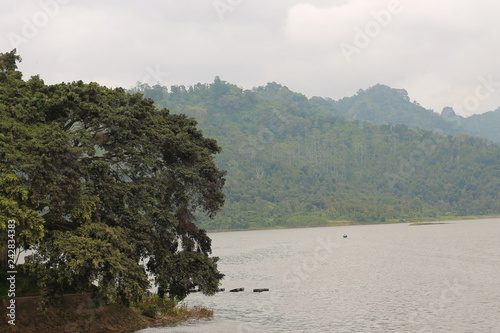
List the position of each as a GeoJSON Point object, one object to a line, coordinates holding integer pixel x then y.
{"type": "Point", "coordinates": [381, 278]}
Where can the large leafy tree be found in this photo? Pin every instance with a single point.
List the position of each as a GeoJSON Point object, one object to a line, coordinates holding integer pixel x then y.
{"type": "Point", "coordinates": [106, 188]}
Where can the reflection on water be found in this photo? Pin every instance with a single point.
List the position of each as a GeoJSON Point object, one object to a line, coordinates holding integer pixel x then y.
{"type": "Point", "coordinates": [381, 278]}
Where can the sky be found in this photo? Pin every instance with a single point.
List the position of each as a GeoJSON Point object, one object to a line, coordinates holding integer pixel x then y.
{"type": "Point", "coordinates": [443, 52]}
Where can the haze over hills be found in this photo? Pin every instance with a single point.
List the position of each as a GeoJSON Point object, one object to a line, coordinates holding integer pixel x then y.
{"type": "Point", "coordinates": [381, 104]}
{"type": "Point", "coordinates": [375, 156]}
{"type": "Point", "coordinates": [486, 125]}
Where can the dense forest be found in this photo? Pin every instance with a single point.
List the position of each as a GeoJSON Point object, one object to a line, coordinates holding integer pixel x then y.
{"type": "Point", "coordinates": [294, 161]}
{"type": "Point", "coordinates": [486, 125]}
{"type": "Point", "coordinates": [381, 104]}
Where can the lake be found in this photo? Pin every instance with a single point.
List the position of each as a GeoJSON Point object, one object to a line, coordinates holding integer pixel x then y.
{"type": "Point", "coordinates": [381, 278]}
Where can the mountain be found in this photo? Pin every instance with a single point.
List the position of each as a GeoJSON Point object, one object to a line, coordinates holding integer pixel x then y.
{"type": "Point", "coordinates": [294, 161]}
{"type": "Point", "coordinates": [486, 125]}
{"type": "Point", "coordinates": [381, 104]}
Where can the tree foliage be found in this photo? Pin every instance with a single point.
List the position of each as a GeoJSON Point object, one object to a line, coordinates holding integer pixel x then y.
{"type": "Point", "coordinates": [294, 161]}
{"type": "Point", "coordinates": [100, 181]}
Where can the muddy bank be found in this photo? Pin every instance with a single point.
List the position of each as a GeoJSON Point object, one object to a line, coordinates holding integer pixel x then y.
{"type": "Point", "coordinates": [77, 313]}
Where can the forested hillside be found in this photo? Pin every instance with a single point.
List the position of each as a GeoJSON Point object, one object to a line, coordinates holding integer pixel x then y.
{"type": "Point", "coordinates": [381, 104]}
{"type": "Point", "coordinates": [296, 161]}
{"type": "Point", "coordinates": [485, 125]}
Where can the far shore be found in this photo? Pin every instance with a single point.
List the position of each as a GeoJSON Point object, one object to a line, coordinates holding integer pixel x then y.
{"type": "Point", "coordinates": [339, 223]}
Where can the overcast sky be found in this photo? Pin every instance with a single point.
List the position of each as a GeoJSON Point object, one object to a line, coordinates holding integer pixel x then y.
{"type": "Point", "coordinates": [443, 52]}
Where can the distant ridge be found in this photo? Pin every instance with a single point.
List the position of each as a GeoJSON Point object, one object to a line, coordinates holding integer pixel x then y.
{"type": "Point", "coordinates": [381, 104]}
{"type": "Point", "coordinates": [372, 157]}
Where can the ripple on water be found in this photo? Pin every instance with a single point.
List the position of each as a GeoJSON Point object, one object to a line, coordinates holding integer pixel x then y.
{"type": "Point", "coordinates": [387, 278]}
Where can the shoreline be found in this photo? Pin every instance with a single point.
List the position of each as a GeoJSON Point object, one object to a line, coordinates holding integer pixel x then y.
{"type": "Point", "coordinates": [341, 223]}
{"type": "Point", "coordinates": [78, 313]}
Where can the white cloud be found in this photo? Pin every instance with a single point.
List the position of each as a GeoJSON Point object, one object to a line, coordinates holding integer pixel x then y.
{"type": "Point", "coordinates": [435, 50]}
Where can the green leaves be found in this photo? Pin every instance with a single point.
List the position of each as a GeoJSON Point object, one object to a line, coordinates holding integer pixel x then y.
{"type": "Point", "coordinates": [186, 270]}
{"type": "Point", "coordinates": [8, 61]}
{"type": "Point", "coordinates": [118, 180]}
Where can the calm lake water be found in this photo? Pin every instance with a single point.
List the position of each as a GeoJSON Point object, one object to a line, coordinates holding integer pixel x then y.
{"type": "Point", "coordinates": [381, 278]}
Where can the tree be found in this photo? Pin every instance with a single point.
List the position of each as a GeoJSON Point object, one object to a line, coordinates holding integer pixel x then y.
{"type": "Point", "coordinates": [8, 61]}
{"type": "Point", "coordinates": [110, 185]}
{"type": "Point", "coordinates": [13, 195]}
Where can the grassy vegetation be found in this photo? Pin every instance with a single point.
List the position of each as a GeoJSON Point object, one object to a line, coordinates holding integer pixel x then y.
{"type": "Point", "coordinates": [325, 222]}
{"type": "Point", "coordinates": [427, 223]}
{"type": "Point", "coordinates": [169, 312]}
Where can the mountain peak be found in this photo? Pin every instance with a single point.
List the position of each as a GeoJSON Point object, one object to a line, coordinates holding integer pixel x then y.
{"type": "Point", "coordinates": [448, 112]}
